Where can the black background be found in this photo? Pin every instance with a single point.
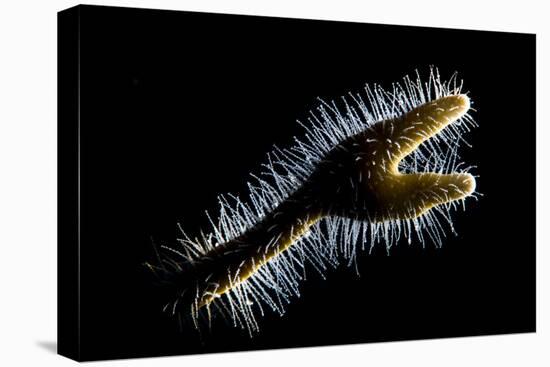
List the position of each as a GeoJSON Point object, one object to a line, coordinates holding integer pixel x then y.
{"type": "Point", "coordinates": [178, 107]}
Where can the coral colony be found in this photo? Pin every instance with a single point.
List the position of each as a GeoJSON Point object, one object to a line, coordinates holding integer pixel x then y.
{"type": "Point", "coordinates": [371, 168]}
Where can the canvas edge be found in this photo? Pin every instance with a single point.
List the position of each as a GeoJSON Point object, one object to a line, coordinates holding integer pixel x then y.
{"type": "Point", "coordinates": [68, 187]}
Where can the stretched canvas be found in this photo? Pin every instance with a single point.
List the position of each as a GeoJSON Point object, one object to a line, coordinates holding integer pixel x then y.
{"type": "Point", "coordinates": [232, 183]}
